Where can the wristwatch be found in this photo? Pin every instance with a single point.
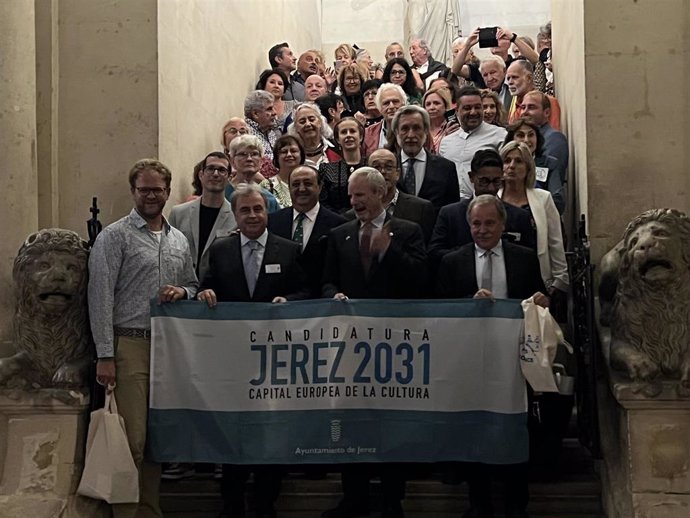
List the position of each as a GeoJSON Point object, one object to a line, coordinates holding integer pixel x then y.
{"type": "Point", "coordinates": [512, 40]}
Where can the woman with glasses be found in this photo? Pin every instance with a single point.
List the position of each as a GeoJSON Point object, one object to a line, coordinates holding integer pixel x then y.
{"type": "Point", "coordinates": [399, 73]}
{"type": "Point", "coordinates": [349, 134]}
{"type": "Point", "coordinates": [372, 115]}
{"type": "Point", "coordinates": [548, 170]}
{"type": "Point", "coordinates": [350, 81]}
{"type": "Point", "coordinates": [246, 153]}
{"type": "Point", "coordinates": [288, 153]}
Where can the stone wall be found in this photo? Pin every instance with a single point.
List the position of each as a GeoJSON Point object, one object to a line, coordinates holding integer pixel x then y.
{"type": "Point", "coordinates": [633, 113]}
{"type": "Point", "coordinates": [210, 55]}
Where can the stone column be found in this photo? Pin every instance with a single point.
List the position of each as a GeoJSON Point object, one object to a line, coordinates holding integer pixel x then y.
{"type": "Point", "coordinates": [19, 208]}
{"type": "Point", "coordinates": [621, 70]}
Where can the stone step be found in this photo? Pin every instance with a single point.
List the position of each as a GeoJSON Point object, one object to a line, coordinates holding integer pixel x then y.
{"type": "Point", "coordinates": [574, 492]}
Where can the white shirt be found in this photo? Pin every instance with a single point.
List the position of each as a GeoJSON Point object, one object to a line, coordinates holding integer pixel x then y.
{"type": "Point", "coordinates": [382, 136]}
{"type": "Point", "coordinates": [499, 284]}
{"type": "Point", "coordinates": [307, 223]}
{"type": "Point", "coordinates": [419, 168]}
{"type": "Point", "coordinates": [460, 147]}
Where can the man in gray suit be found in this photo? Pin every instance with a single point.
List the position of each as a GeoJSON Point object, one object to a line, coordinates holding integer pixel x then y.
{"type": "Point", "coordinates": [208, 217]}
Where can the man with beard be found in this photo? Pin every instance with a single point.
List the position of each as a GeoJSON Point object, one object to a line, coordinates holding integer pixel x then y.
{"type": "Point", "coordinates": [204, 219]}
{"type": "Point", "coordinates": [133, 260]}
{"type": "Point", "coordinates": [474, 134]}
{"type": "Point", "coordinates": [519, 79]}
{"type": "Point", "coordinates": [425, 174]}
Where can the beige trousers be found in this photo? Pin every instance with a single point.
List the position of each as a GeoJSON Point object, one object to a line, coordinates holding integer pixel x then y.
{"type": "Point", "coordinates": [132, 358]}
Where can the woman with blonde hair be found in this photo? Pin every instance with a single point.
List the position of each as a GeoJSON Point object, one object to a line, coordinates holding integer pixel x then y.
{"type": "Point", "coordinates": [519, 177]}
{"type": "Point", "coordinates": [436, 102]}
{"type": "Point", "coordinates": [494, 112]}
{"type": "Point", "coordinates": [345, 54]}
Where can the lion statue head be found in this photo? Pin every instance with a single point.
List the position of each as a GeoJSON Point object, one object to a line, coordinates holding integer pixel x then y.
{"type": "Point", "coordinates": [650, 322]}
{"type": "Point", "coordinates": [51, 332]}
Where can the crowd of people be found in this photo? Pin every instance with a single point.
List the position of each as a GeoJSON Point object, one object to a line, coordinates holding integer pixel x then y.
{"type": "Point", "coordinates": [361, 180]}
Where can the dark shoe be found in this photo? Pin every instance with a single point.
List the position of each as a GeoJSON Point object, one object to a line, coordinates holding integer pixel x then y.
{"type": "Point", "coordinates": [393, 510]}
{"type": "Point", "coordinates": [346, 509]}
{"type": "Point", "coordinates": [477, 512]}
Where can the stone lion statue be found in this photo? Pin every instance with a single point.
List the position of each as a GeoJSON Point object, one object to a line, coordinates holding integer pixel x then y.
{"type": "Point", "coordinates": [650, 310]}
{"type": "Point", "coordinates": [51, 334]}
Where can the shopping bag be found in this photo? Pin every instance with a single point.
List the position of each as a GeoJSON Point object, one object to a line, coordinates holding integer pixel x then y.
{"type": "Point", "coordinates": [109, 470]}
{"type": "Point", "coordinates": [541, 336]}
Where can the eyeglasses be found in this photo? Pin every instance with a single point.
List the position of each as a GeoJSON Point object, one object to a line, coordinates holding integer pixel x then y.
{"type": "Point", "coordinates": [370, 93]}
{"type": "Point", "coordinates": [485, 182]}
{"type": "Point", "coordinates": [156, 191]}
{"type": "Point", "coordinates": [223, 171]}
{"type": "Point", "coordinates": [248, 154]}
{"type": "Point", "coordinates": [288, 151]}
{"type": "Point", "coordinates": [398, 73]}
{"type": "Point", "coordinates": [235, 131]}
{"type": "Point", "coordinates": [352, 79]}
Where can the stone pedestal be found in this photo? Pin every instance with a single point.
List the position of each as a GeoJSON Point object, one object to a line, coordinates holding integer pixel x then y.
{"type": "Point", "coordinates": [646, 445]}
{"type": "Point", "coordinates": [42, 437]}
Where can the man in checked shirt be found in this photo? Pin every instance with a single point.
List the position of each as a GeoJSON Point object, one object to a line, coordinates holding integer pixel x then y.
{"type": "Point", "coordinates": [133, 260]}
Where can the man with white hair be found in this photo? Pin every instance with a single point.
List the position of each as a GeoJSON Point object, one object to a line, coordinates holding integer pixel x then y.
{"type": "Point", "coordinates": [260, 116]}
{"type": "Point", "coordinates": [422, 61]}
{"type": "Point", "coordinates": [389, 99]}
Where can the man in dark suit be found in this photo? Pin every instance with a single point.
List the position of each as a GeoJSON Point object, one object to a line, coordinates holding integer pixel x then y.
{"type": "Point", "coordinates": [374, 256]}
{"type": "Point", "coordinates": [251, 266]}
{"type": "Point", "coordinates": [492, 268]}
{"type": "Point", "coordinates": [426, 175]}
{"type": "Point", "coordinates": [398, 203]}
{"type": "Point", "coordinates": [452, 229]}
{"type": "Point", "coordinates": [307, 223]}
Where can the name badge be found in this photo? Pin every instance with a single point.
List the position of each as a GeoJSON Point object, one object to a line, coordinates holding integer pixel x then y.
{"type": "Point", "coordinates": [272, 268]}
{"type": "Point", "coordinates": [542, 174]}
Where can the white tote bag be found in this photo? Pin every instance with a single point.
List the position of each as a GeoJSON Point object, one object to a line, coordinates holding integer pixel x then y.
{"type": "Point", "coordinates": [540, 340]}
{"type": "Point", "coordinates": [109, 470]}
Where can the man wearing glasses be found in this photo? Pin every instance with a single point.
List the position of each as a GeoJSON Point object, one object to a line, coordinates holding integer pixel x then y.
{"type": "Point", "coordinates": [133, 260]}
{"type": "Point", "coordinates": [208, 217]}
{"type": "Point", "coordinates": [452, 229]}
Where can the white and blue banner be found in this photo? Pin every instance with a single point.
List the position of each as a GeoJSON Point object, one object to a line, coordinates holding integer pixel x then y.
{"type": "Point", "coordinates": [323, 381]}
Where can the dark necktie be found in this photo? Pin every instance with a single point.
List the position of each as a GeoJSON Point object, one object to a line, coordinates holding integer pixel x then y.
{"type": "Point", "coordinates": [365, 247]}
{"type": "Point", "coordinates": [298, 234]}
{"type": "Point", "coordinates": [409, 179]}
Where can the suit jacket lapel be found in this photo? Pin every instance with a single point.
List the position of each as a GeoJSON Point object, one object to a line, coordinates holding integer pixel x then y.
{"type": "Point", "coordinates": [316, 229]}
{"type": "Point", "coordinates": [271, 256]}
{"type": "Point", "coordinates": [513, 280]}
{"type": "Point", "coordinates": [223, 215]}
{"type": "Point", "coordinates": [194, 216]}
{"type": "Point", "coordinates": [242, 286]}
{"type": "Point", "coordinates": [471, 270]}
